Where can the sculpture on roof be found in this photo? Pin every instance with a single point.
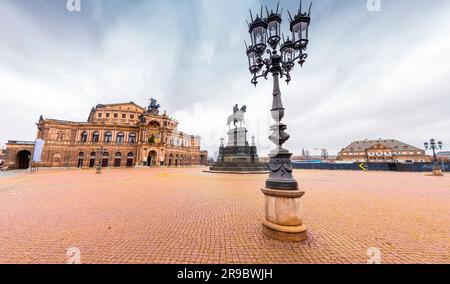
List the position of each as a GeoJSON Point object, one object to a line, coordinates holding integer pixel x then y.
{"type": "Point", "coordinates": [153, 105]}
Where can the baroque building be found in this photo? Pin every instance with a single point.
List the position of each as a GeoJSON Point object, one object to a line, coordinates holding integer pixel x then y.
{"type": "Point", "coordinates": [115, 135]}
{"type": "Point", "coordinates": [382, 150]}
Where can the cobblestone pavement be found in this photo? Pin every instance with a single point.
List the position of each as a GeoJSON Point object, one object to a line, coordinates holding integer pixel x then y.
{"type": "Point", "coordinates": [4, 174]}
{"type": "Point", "coordinates": [186, 216]}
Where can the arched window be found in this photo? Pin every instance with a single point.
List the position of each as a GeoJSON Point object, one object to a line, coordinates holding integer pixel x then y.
{"type": "Point", "coordinates": [81, 155]}
{"type": "Point", "coordinates": [93, 155]}
{"type": "Point", "coordinates": [118, 155]}
{"type": "Point", "coordinates": [132, 138]}
{"type": "Point", "coordinates": [108, 137]}
{"type": "Point", "coordinates": [96, 137]}
{"type": "Point", "coordinates": [84, 137]}
{"type": "Point", "coordinates": [130, 155]}
{"type": "Point", "coordinates": [120, 138]}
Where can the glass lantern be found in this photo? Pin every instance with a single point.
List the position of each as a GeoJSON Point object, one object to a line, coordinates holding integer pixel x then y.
{"type": "Point", "coordinates": [273, 29]}
{"type": "Point", "coordinates": [253, 65]}
{"type": "Point", "coordinates": [258, 35]}
{"type": "Point", "coordinates": [288, 51]}
{"type": "Point", "coordinates": [299, 28]}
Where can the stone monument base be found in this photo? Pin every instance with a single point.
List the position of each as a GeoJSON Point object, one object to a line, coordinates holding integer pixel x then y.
{"type": "Point", "coordinates": [283, 217]}
{"type": "Point", "coordinates": [238, 157]}
{"type": "Point", "coordinates": [437, 172]}
{"type": "Point", "coordinates": [239, 167]}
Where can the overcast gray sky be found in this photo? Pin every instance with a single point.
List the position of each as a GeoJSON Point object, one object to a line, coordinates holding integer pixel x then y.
{"type": "Point", "coordinates": [369, 74]}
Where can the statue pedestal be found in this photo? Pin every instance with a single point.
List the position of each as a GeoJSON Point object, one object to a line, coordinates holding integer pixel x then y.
{"type": "Point", "coordinates": [283, 215]}
{"type": "Point", "coordinates": [438, 172]}
{"type": "Point", "coordinates": [237, 137]}
{"type": "Point", "coordinates": [238, 156]}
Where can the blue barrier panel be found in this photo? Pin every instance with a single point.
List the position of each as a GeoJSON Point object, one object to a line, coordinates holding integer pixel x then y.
{"type": "Point", "coordinates": [416, 167]}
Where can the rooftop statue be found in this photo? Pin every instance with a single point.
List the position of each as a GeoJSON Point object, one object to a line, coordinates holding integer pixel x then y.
{"type": "Point", "coordinates": [153, 105]}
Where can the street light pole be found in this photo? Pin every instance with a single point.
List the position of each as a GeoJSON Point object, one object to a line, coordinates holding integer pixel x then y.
{"type": "Point", "coordinates": [100, 150]}
{"type": "Point", "coordinates": [432, 145]}
{"type": "Point", "coordinates": [267, 54]}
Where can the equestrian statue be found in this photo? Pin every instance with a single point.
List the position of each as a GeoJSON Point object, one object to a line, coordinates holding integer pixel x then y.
{"type": "Point", "coordinates": [237, 116]}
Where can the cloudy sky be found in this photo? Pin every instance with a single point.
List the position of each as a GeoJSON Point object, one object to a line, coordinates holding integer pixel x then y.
{"type": "Point", "coordinates": [369, 74]}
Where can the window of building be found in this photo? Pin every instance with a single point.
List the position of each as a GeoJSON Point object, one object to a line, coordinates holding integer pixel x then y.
{"type": "Point", "coordinates": [108, 137]}
{"type": "Point", "coordinates": [95, 137]}
{"type": "Point", "coordinates": [132, 138]}
{"type": "Point", "coordinates": [84, 137]}
{"type": "Point", "coordinates": [120, 138]}
{"type": "Point", "coordinates": [124, 115]}
{"type": "Point", "coordinates": [131, 116]}
{"type": "Point", "coordinates": [99, 114]}
{"type": "Point", "coordinates": [107, 114]}
{"type": "Point", "coordinates": [116, 115]}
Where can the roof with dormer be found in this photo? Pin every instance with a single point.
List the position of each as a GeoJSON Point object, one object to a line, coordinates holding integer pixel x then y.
{"type": "Point", "coordinates": [393, 144]}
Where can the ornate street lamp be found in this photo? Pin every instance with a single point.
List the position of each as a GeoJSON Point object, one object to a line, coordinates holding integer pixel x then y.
{"type": "Point", "coordinates": [267, 54]}
{"type": "Point", "coordinates": [280, 61]}
{"type": "Point", "coordinates": [432, 145]}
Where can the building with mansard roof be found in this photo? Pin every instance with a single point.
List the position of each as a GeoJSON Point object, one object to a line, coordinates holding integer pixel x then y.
{"type": "Point", "coordinates": [382, 150]}
{"type": "Point", "coordinates": [115, 135]}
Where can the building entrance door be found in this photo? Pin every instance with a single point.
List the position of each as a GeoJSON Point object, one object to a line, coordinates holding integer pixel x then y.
{"type": "Point", "coordinates": [151, 159]}
{"type": "Point", "coordinates": [23, 159]}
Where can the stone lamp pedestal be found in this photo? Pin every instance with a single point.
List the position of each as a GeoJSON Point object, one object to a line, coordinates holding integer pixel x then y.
{"type": "Point", "coordinates": [437, 171]}
{"type": "Point", "coordinates": [283, 215]}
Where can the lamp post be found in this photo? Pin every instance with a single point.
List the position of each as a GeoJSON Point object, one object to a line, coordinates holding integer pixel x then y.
{"type": "Point", "coordinates": [270, 52]}
{"type": "Point", "coordinates": [432, 145]}
{"type": "Point", "coordinates": [100, 150]}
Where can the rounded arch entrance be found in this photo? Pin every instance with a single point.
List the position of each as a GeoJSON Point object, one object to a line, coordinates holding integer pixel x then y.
{"type": "Point", "coordinates": [23, 159]}
{"type": "Point", "coordinates": [80, 160]}
{"type": "Point", "coordinates": [203, 159]}
{"type": "Point", "coordinates": [170, 160]}
{"type": "Point", "coordinates": [92, 158]}
{"type": "Point", "coordinates": [152, 158]}
{"type": "Point", "coordinates": [130, 157]}
{"type": "Point", "coordinates": [105, 160]}
{"type": "Point", "coordinates": [117, 159]}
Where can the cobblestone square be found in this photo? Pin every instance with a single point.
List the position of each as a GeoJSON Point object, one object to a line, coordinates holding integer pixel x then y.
{"type": "Point", "coordinates": [183, 215]}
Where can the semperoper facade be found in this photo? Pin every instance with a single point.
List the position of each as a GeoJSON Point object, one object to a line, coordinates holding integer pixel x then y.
{"type": "Point", "coordinates": [115, 135]}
